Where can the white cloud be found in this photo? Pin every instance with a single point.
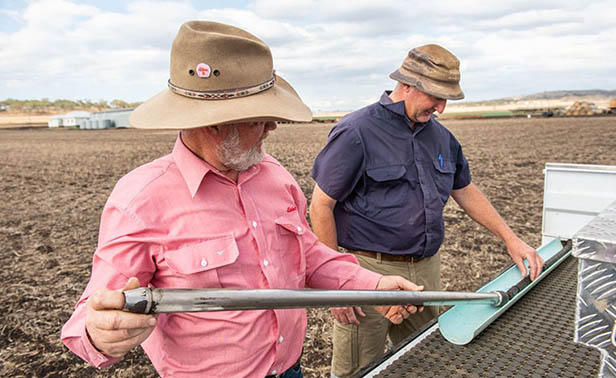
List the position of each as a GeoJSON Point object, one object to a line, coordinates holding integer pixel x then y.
{"type": "Point", "coordinates": [11, 14]}
{"type": "Point", "coordinates": [338, 55]}
{"type": "Point", "coordinates": [314, 10]}
{"type": "Point", "coordinates": [78, 51]}
{"type": "Point", "coordinates": [276, 33]}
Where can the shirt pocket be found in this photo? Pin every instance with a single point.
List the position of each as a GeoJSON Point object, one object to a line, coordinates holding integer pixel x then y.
{"type": "Point", "coordinates": [289, 231]}
{"type": "Point", "coordinates": [200, 265]}
{"type": "Point", "coordinates": [388, 187]}
{"type": "Point", "coordinates": [444, 171]}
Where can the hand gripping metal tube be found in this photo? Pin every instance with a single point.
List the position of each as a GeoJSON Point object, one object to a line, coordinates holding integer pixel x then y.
{"type": "Point", "coordinates": [151, 300]}
{"type": "Point", "coordinates": [524, 282]}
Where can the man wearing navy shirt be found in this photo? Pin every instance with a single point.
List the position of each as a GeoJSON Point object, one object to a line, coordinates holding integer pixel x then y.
{"type": "Point", "coordinates": [382, 182]}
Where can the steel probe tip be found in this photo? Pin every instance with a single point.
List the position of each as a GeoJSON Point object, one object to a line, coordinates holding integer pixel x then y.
{"type": "Point", "coordinates": [503, 298]}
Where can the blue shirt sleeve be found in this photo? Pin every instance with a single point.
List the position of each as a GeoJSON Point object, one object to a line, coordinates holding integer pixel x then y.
{"type": "Point", "coordinates": [339, 166]}
{"type": "Point", "coordinates": [462, 177]}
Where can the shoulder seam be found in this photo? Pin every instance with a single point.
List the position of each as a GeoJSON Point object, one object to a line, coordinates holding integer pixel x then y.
{"type": "Point", "coordinates": [145, 185]}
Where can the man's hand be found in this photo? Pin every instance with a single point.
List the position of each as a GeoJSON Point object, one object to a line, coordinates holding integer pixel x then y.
{"type": "Point", "coordinates": [397, 314]}
{"type": "Point", "coordinates": [347, 315]}
{"type": "Point", "coordinates": [477, 206]}
{"type": "Point", "coordinates": [519, 250]}
{"type": "Point", "coordinates": [111, 330]}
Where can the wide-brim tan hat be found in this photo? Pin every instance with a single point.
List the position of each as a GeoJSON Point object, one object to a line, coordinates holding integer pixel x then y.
{"type": "Point", "coordinates": [433, 70]}
{"type": "Point", "coordinates": [219, 74]}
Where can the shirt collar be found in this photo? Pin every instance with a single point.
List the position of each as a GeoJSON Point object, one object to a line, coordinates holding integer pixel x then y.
{"type": "Point", "coordinates": [396, 107]}
{"type": "Point", "coordinates": [191, 167]}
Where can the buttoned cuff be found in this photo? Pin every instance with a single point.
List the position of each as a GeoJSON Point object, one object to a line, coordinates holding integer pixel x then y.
{"type": "Point", "coordinates": [95, 357]}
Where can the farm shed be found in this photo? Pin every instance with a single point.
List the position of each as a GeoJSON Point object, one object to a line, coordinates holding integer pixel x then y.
{"type": "Point", "coordinates": [55, 121]}
{"type": "Point", "coordinates": [110, 118]}
{"type": "Point", "coordinates": [563, 327]}
{"type": "Point", "coordinates": [73, 119]}
{"type": "Point", "coordinates": [106, 119]}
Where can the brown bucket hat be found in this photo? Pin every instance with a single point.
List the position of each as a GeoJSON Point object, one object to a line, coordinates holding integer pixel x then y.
{"type": "Point", "coordinates": [219, 74]}
{"type": "Point", "coordinates": [433, 70]}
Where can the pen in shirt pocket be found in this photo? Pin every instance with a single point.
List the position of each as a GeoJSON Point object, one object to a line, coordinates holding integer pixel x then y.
{"type": "Point", "coordinates": [440, 160]}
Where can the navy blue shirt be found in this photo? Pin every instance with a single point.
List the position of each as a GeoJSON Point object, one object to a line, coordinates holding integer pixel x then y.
{"type": "Point", "coordinates": [391, 183]}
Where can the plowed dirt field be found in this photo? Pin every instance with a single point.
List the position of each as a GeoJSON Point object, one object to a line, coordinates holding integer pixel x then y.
{"type": "Point", "coordinates": [54, 183]}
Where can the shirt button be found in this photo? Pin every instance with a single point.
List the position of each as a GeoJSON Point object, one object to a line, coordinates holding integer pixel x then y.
{"type": "Point", "coordinates": [254, 224]}
{"type": "Point", "coordinates": [274, 372]}
{"type": "Point", "coordinates": [265, 262]}
{"type": "Point", "coordinates": [203, 262]}
{"type": "Point", "coordinates": [280, 339]}
{"type": "Point", "coordinates": [299, 229]}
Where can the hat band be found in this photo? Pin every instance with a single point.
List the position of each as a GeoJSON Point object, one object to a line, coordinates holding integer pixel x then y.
{"type": "Point", "coordinates": [222, 94]}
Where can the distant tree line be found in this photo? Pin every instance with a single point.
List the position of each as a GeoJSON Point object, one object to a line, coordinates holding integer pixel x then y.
{"type": "Point", "coordinates": [46, 105]}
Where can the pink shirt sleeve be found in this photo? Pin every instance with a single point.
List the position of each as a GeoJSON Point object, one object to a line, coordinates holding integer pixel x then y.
{"type": "Point", "coordinates": [117, 258]}
{"type": "Point", "coordinates": [329, 269]}
{"type": "Point", "coordinates": [75, 337]}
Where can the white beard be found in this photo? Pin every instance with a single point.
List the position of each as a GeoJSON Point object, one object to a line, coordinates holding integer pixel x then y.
{"type": "Point", "coordinates": [231, 155]}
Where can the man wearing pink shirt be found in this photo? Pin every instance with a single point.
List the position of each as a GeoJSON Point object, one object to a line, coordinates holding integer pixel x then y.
{"type": "Point", "coordinates": [215, 213]}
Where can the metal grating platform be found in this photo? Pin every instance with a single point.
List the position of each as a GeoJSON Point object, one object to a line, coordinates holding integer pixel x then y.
{"type": "Point", "coordinates": [595, 247]}
{"type": "Point", "coordinates": [534, 338]}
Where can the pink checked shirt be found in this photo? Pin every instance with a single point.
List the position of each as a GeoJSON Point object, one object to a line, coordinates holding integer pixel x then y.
{"type": "Point", "coordinates": [178, 223]}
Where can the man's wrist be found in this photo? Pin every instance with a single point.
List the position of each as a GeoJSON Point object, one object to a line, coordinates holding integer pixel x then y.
{"type": "Point", "coordinates": [98, 350]}
{"type": "Point", "coordinates": [509, 237]}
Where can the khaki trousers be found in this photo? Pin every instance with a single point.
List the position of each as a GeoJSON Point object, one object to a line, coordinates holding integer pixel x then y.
{"type": "Point", "coordinates": [357, 346]}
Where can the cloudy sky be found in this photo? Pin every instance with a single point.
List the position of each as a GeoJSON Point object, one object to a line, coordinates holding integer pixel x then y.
{"type": "Point", "coordinates": [337, 54]}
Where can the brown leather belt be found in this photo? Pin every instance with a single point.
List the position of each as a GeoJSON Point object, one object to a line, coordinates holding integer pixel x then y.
{"type": "Point", "coordinates": [387, 256]}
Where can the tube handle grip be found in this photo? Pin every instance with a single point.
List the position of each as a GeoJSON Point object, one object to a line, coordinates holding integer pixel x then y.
{"type": "Point", "coordinates": [138, 300]}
